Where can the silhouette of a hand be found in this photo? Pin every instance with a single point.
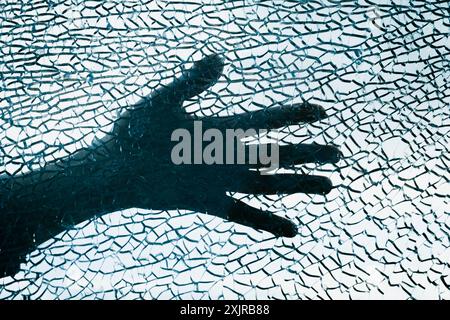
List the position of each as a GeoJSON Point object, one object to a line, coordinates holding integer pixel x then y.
{"type": "Point", "coordinates": [132, 167]}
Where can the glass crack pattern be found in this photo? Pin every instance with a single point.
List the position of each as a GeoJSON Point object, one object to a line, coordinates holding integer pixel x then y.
{"type": "Point", "coordinates": [379, 68]}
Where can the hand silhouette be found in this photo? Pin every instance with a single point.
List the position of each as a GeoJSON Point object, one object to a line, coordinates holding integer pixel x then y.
{"type": "Point", "coordinates": [132, 167]}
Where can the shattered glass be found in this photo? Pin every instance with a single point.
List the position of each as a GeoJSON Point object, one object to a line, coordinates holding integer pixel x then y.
{"type": "Point", "coordinates": [379, 68]}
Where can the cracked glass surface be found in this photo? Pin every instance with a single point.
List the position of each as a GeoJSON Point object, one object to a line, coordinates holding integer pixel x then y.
{"type": "Point", "coordinates": [379, 68]}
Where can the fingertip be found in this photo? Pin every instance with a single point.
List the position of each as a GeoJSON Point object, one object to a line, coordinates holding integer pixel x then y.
{"type": "Point", "coordinates": [287, 229]}
{"type": "Point", "coordinates": [310, 112]}
{"type": "Point", "coordinates": [281, 227]}
{"type": "Point", "coordinates": [215, 59]}
{"type": "Point", "coordinates": [210, 67]}
{"type": "Point", "coordinates": [326, 185]}
{"type": "Point", "coordinates": [329, 154]}
{"type": "Point", "coordinates": [201, 76]}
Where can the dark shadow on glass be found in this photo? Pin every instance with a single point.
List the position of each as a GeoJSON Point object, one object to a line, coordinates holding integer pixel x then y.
{"type": "Point", "coordinates": [132, 167]}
